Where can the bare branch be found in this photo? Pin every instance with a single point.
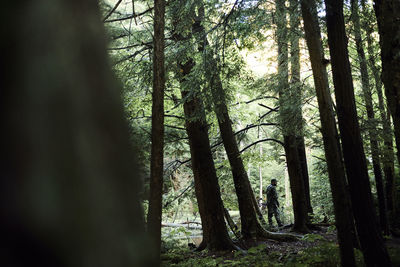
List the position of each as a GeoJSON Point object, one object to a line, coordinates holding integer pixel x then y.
{"type": "Point", "coordinates": [260, 141]}
{"type": "Point", "coordinates": [112, 10]}
{"type": "Point", "coordinates": [132, 16]}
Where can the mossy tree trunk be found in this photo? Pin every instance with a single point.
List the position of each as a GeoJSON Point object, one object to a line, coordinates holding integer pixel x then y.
{"type": "Point", "coordinates": [249, 222]}
{"type": "Point", "coordinates": [289, 121]}
{"type": "Point", "coordinates": [215, 234]}
{"type": "Point", "coordinates": [296, 89]}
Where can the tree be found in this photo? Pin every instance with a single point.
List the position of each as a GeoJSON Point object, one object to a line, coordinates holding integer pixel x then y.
{"type": "Point", "coordinates": [296, 88]}
{"type": "Point", "coordinates": [69, 177]}
{"type": "Point", "coordinates": [215, 234]}
{"type": "Point", "coordinates": [154, 215]}
{"type": "Point", "coordinates": [337, 178]}
{"type": "Point", "coordinates": [251, 228]}
{"type": "Point", "coordinates": [388, 155]}
{"type": "Point", "coordinates": [388, 14]}
{"type": "Point", "coordinates": [289, 122]}
{"type": "Point", "coordinates": [366, 88]}
{"type": "Point", "coordinates": [371, 240]}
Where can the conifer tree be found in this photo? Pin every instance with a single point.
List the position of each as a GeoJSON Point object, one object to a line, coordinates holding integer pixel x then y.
{"type": "Point", "coordinates": [371, 241]}
{"type": "Point", "coordinates": [366, 88]}
{"type": "Point", "coordinates": [337, 178]}
{"type": "Point", "coordinates": [154, 215]}
{"type": "Point", "coordinates": [290, 121]}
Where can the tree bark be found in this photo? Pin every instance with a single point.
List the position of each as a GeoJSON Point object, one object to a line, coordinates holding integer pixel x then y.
{"type": "Point", "coordinates": [290, 122]}
{"type": "Point", "coordinates": [296, 88]}
{"type": "Point", "coordinates": [387, 133]}
{"type": "Point", "coordinates": [337, 178]}
{"type": "Point", "coordinates": [296, 185]}
{"type": "Point", "coordinates": [249, 222]}
{"type": "Point", "coordinates": [388, 154]}
{"type": "Point", "coordinates": [388, 17]}
{"type": "Point", "coordinates": [372, 246]}
{"type": "Point", "coordinates": [154, 215]}
{"type": "Point", "coordinates": [215, 234]}
{"type": "Point", "coordinates": [70, 181]}
{"type": "Point", "coordinates": [366, 88]}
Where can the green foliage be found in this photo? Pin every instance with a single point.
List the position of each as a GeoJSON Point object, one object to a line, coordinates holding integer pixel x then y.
{"type": "Point", "coordinates": [325, 254]}
{"type": "Point", "coordinates": [256, 250]}
{"type": "Point", "coordinates": [321, 197]}
{"type": "Point", "coordinates": [331, 229]}
{"type": "Point", "coordinates": [312, 237]}
{"type": "Point", "coordinates": [236, 37]}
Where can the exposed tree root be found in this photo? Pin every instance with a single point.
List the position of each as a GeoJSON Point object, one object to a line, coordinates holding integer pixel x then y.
{"type": "Point", "coordinates": [202, 246]}
{"type": "Point", "coordinates": [264, 234]}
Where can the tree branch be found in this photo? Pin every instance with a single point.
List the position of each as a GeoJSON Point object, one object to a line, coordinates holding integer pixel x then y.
{"type": "Point", "coordinates": [260, 141]}
{"type": "Point", "coordinates": [132, 16]}
{"type": "Point", "coordinates": [112, 10]}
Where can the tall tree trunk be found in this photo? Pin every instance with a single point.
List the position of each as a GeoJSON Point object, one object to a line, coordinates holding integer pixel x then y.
{"type": "Point", "coordinates": [388, 16]}
{"type": "Point", "coordinates": [69, 177]}
{"type": "Point", "coordinates": [289, 120]}
{"type": "Point", "coordinates": [296, 185]}
{"type": "Point", "coordinates": [387, 135]}
{"type": "Point", "coordinates": [372, 246]}
{"type": "Point", "coordinates": [366, 88]}
{"type": "Point", "coordinates": [215, 234]}
{"type": "Point", "coordinates": [154, 215]}
{"type": "Point", "coordinates": [260, 173]}
{"type": "Point", "coordinates": [388, 154]}
{"type": "Point", "coordinates": [251, 228]}
{"type": "Point", "coordinates": [288, 195]}
{"type": "Point", "coordinates": [296, 88]}
{"type": "Point", "coordinates": [337, 178]}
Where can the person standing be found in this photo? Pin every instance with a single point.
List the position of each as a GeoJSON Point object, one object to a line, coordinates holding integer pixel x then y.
{"type": "Point", "coordinates": [273, 203]}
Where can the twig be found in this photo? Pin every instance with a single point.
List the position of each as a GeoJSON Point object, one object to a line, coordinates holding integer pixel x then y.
{"type": "Point", "coordinates": [112, 10]}
{"type": "Point", "coordinates": [262, 140]}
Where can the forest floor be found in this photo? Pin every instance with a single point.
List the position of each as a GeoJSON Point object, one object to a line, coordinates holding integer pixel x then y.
{"type": "Point", "coordinates": [318, 248]}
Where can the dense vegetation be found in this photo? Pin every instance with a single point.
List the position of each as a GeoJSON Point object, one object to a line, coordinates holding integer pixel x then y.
{"type": "Point", "coordinates": [145, 133]}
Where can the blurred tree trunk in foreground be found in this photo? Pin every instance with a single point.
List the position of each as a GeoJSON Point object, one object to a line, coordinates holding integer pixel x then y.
{"type": "Point", "coordinates": [69, 178]}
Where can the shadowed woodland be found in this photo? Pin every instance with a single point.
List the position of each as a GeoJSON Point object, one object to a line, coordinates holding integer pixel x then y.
{"type": "Point", "coordinates": [148, 133]}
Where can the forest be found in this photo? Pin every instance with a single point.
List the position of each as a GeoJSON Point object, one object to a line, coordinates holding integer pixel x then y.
{"type": "Point", "coordinates": [200, 133]}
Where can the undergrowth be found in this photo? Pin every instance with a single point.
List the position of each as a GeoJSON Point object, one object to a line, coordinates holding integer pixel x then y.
{"type": "Point", "coordinates": [325, 254]}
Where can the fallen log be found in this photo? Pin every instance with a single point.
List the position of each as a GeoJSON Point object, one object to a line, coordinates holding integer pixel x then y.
{"type": "Point", "coordinates": [184, 225]}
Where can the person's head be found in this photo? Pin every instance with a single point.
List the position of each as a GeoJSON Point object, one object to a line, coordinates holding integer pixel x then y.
{"type": "Point", "coordinates": [273, 181]}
